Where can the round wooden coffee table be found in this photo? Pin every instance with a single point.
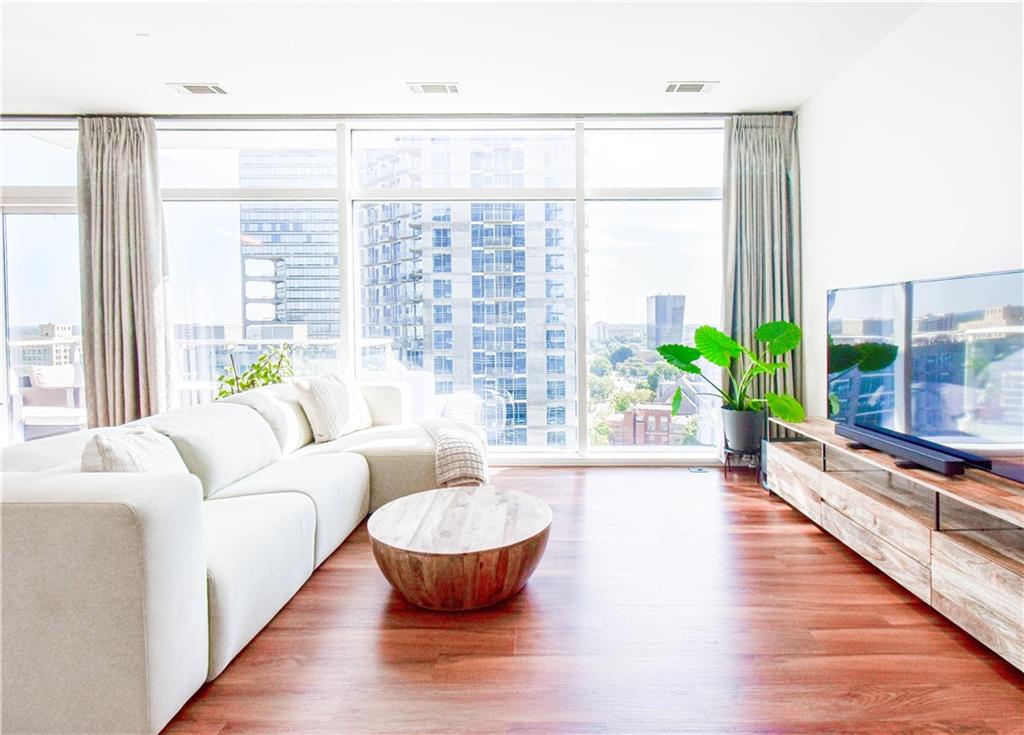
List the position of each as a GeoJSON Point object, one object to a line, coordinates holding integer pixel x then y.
{"type": "Point", "coordinates": [460, 548]}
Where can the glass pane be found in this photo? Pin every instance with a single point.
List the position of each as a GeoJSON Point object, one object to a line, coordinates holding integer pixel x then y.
{"type": "Point", "coordinates": [473, 304]}
{"type": "Point", "coordinates": [653, 158]}
{"type": "Point", "coordinates": [654, 274]}
{"type": "Point", "coordinates": [42, 158]}
{"type": "Point", "coordinates": [246, 276]}
{"type": "Point", "coordinates": [44, 335]}
{"type": "Point", "coordinates": [229, 159]}
{"type": "Point", "coordinates": [463, 158]}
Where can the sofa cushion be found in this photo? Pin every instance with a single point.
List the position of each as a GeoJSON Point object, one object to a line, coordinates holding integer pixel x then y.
{"type": "Point", "coordinates": [401, 459]}
{"type": "Point", "coordinates": [259, 552]}
{"type": "Point", "coordinates": [338, 484]}
{"type": "Point", "coordinates": [133, 449]}
{"type": "Point", "coordinates": [334, 405]}
{"type": "Point", "coordinates": [220, 442]}
{"type": "Point", "coordinates": [281, 409]}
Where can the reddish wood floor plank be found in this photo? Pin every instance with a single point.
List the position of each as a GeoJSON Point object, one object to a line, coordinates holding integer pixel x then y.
{"type": "Point", "coordinates": [667, 602]}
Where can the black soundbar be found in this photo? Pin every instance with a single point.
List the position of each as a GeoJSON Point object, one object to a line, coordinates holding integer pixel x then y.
{"type": "Point", "coordinates": [931, 459]}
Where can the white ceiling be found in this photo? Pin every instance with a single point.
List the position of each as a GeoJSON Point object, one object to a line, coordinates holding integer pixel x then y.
{"type": "Point", "coordinates": [356, 57]}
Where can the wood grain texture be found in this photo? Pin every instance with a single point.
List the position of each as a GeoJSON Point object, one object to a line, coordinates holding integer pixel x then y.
{"type": "Point", "coordinates": [459, 519]}
{"type": "Point", "coordinates": [460, 548]}
{"type": "Point", "coordinates": [793, 477]}
{"type": "Point", "coordinates": [458, 582]}
{"type": "Point", "coordinates": [912, 574]}
{"type": "Point", "coordinates": [866, 499]}
{"type": "Point", "coordinates": [981, 490]}
{"type": "Point", "coordinates": [986, 598]}
{"type": "Point", "coordinates": [667, 602]}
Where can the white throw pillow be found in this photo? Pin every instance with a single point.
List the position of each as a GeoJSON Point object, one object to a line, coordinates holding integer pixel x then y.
{"type": "Point", "coordinates": [334, 405]}
{"type": "Point", "coordinates": [137, 449]}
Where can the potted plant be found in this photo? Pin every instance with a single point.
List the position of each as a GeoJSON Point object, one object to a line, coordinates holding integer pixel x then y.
{"type": "Point", "coordinates": [742, 412]}
{"type": "Point", "coordinates": [272, 366]}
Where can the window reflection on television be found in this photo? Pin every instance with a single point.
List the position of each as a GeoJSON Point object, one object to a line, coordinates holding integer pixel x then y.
{"type": "Point", "coordinates": [939, 360]}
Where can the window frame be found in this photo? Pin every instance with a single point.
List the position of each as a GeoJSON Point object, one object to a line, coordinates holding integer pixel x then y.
{"type": "Point", "coordinates": [63, 200]}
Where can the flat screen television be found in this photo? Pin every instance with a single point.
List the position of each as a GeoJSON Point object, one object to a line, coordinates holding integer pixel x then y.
{"type": "Point", "coordinates": [936, 365]}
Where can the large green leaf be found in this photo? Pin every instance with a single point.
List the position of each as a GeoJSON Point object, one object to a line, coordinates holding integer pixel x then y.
{"type": "Point", "coordinates": [781, 337]}
{"type": "Point", "coordinates": [841, 357]}
{"type": "Point", "coordinates": [681, 356]}
{"type": "Point", "coordinates": [716, 346]}
{"type": "Point", "coordinates": [872, 356]}
{"type": "Point", "coordinates": [786, 407]}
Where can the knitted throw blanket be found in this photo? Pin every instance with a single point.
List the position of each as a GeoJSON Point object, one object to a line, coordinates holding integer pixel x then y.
{"type": "Point", "coordinates": [461, 454]}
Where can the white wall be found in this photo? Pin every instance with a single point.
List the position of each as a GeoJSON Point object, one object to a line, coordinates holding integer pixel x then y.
{"type": "Point", "coordinates": [911, 162]}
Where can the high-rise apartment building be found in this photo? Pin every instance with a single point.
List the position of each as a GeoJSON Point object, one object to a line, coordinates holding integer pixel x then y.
{"type": "Point", "coordinates": [289, 250]}
{"type": "Point", "coordinates": [479, 293]}
{"type": "Point", "coordinates": [665, 319]}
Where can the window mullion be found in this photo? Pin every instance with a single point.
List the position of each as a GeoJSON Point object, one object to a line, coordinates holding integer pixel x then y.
{"type": "Point", "coordinates": [348, 276]}
{"type": "Point", "coordinates": [582, 428]}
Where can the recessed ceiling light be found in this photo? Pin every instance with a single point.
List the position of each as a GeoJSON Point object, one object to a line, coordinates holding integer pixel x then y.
{"type": "Point", "coordinates": [197, 87]}
{"type": "Point", "coordinates": [142, 35]}
{"type": "Point", "coordinates": [691, 87]}
{"type": "Point", "coordinates": [434, 87]}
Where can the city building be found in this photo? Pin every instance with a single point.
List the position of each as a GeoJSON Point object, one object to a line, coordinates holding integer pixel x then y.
{"type": "Point", "coordinates": [665, 319]}
{"type": "Point", "coordinates": [54, 344]}
{"type": "Point", "coordinates": [480, 294]}
{"type": "Point", "coordinates": [647, 424]}
{"type": "Point", "coordinates": [289, 250]}
{"type": "Point", "coordinates": [608, 332]}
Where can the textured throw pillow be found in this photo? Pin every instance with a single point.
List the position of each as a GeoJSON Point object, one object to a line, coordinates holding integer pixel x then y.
{"type": "Point", "coordinates": [334, 405]}
{"type": "Point", "coordinates": [137, 449]}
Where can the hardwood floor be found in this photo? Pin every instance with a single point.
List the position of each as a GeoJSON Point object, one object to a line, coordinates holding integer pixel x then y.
{"type": "Point", "coordinates": [668, 601]}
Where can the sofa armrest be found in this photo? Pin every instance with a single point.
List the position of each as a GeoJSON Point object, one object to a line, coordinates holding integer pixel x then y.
{"type": "Point", "coordinates": [389, 402]}
{"type": "Point", "coordinates": [104, 601]}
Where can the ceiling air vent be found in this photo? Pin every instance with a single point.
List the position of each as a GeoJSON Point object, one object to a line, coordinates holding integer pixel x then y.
{"type": "Point", "coordinates": [691, 87]}
{"type": "Point", "coordinates": [434, 87]}
{"type": "Point", "coordinates": [197, 87]}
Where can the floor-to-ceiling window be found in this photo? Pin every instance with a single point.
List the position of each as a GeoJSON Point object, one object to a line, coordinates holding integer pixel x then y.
{"type": "Point", "coordinates": [465, 245]}
{"type": "Point", "coordinates": [533, 264]}
{"type": "Point", "coordinates": [42, 390]}
{"type": "Point", "coordinates": [654, 274]}
{"type": "Point", "coordinates": [252, 235]}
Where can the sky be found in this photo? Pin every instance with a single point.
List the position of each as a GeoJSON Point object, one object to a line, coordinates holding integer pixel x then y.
{"type": "Point", "coordinates": [637, 249]}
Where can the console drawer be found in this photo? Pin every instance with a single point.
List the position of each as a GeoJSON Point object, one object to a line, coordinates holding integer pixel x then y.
{"type": "Point", "coordinates": [860, 497]}
{"type": "Point", "coordinates": [895, 563]}
{"type": "Point", "coordinates": [983, 597]}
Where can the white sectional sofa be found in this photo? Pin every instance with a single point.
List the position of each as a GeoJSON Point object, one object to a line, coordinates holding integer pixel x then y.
{"type": "Point", "coordinates": [124, 593]}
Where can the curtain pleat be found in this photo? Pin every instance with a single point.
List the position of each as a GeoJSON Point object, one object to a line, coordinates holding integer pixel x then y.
{"type": "Point", "coordinates": [127, 342]}
{"type": "Point", "coordinates": [761, 227]}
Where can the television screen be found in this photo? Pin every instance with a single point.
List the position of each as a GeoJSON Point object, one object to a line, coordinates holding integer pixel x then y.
{"type": "Point", "coordinates": [941, 361]}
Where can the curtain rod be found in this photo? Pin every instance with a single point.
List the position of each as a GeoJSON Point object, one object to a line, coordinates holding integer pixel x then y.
{"type": "Point", "coordinates": [408, 116]}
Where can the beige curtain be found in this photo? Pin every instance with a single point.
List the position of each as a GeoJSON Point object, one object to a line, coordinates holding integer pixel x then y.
{"type": "Point", "coordinates": [126, 336]}
{"type": "Point", "coordinates": [761, 211]}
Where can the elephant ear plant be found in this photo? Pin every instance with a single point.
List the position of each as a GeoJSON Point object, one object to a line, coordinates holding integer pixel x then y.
{"type": "Point", "coordinates": [773, 339]}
